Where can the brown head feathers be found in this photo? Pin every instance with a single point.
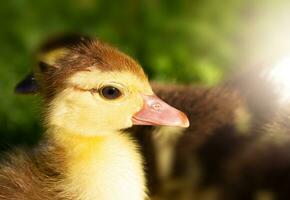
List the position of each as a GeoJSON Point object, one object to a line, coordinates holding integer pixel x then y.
{"type": "Point", "coordinates": [61, 57]}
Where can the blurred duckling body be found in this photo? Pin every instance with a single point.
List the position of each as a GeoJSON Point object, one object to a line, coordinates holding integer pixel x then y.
{"type": "Point", "coordinates": [92, 92]}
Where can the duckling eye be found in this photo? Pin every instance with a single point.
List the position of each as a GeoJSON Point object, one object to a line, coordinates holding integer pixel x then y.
{"type": "Point", "coordinates": [110, 92]}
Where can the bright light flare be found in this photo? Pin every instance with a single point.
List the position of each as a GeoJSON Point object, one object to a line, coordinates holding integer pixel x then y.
{"type": "Point", "coordinates": [280, 76]}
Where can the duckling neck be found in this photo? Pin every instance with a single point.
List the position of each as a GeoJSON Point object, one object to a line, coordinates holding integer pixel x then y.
{"type": "Point", "coordinates": [101, 167]}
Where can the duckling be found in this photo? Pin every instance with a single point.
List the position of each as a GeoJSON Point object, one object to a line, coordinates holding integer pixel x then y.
{"type": "Point", "coordinates": [219, 120]}
{"type": "Point", "coordinates": [92, 92]}
{"type": "Point", "coordinates": [236, 128]}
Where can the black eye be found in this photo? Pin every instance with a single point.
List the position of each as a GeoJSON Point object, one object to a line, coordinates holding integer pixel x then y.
{"type": "Point", "coordinates": [110, 92]}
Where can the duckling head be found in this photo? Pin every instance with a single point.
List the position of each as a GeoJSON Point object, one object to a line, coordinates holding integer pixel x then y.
{"type": "Point", "coordinates": [91, 88]}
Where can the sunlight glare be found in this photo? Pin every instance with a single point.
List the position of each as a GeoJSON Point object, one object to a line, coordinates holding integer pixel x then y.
{"type": "Point", "coordinates": [280, 75]}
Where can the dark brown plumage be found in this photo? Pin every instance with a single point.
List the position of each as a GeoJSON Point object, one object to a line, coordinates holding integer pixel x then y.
{"type": "Point", "coordinates": [264, 164]}
{"type": "Point", "coordinates": [32, 174]}
{"type": "Point", "coordinates": [236, 147]}
{"type": "Point", "coordinates": [213, 113]}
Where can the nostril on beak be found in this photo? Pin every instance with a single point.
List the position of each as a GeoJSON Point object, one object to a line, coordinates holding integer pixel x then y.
{"type": "Point", "coordinates": [156, 106]}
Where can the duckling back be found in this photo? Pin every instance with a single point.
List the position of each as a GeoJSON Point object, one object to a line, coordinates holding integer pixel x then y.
{"type": "Point", "coordinates": [31, 174]}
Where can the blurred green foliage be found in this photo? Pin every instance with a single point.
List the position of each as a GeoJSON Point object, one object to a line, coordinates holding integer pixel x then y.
{"type": "Point", "coordinates": [177, 41]}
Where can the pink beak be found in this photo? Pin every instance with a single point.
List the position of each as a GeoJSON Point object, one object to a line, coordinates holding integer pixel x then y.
{"type": "Point", "coordinates": [157, 112]}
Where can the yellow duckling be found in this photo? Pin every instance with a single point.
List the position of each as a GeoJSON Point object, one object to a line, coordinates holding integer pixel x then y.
{"type": "Point", "coordinates": [91, 92]}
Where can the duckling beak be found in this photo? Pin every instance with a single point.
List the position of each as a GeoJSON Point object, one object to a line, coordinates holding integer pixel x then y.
{"type": "Point", "coordinates": [157, 112]}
